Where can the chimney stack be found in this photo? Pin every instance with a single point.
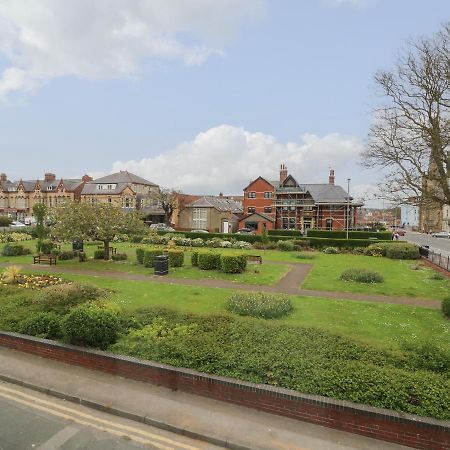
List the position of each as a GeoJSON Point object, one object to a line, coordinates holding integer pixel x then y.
{"type": "Point", "coordinates": [331, 177]}
{"type": "Point", "coordinates": [3, 177]}
{"type": "Point", "coordinates": [49, 177]}
{"type": "Point", "coordinates": [86, 178]}
{"type": "Point", "coordinates": [283, 173]}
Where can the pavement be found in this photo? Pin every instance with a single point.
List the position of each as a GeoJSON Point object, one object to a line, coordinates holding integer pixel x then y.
{"type": "Point", "coordinates": [217, 423]}
{"type": "Point", "coordinates": [438, 245]}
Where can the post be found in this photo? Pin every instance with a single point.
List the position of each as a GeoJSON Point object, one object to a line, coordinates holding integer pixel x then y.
{"type": "Point", "coordinates": [348, 205]}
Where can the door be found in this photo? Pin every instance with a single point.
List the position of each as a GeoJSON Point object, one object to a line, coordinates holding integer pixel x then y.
{"type": "Point", "coordinates": [225, 226]}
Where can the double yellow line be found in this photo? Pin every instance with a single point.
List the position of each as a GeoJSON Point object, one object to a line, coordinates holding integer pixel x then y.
{"type": "Point", "coordinates": [135, 434]}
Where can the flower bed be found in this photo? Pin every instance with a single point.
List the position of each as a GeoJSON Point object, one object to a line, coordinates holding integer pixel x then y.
{"type": "Point", "coordinates": [34, 281]}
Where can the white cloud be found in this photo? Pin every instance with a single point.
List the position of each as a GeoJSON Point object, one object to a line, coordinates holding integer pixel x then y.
{"type": "Point", "coordinates": [225, 158]}
{"type": "Point", "coordinates": [368, 193]}
{"type": "Point", "coordinates": [45, 39]}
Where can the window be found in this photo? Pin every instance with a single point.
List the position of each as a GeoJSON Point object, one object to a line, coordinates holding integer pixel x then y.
{"type": "Point", "coordinates": [109, 200]}
{"type": "Point", "coordinates": [251, 209]}
{"type": "Point", "coordinates": [251, 195]}
{"type": "Point", "coordinates": [127, 202]}
{"type": "Point", "coordinates": [329, 224]}
{"type": "Point", "coordinates": [285, 223]}
{"type": "Point", "coordinates": [268, 209]}
{"type": "Point", "coordinates": [292, 222]}
{"type": "Point", "coordinates": [200, 218]}
{"type": "Point", "coordinates": [267, 194]}
{"type": "Point", "coordinates": [308, 207]}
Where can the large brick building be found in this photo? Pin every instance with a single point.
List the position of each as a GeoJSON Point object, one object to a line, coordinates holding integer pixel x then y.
{"type": "Point", "coordinates": [287, 204]}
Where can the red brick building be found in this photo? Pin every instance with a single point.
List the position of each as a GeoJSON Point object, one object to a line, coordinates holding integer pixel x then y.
{"type": "Point", "coordinates": [286, 204]}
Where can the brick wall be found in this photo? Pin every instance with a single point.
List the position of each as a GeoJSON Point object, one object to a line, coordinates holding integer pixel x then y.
{"type": "Point", "coordinates": [413, 431]}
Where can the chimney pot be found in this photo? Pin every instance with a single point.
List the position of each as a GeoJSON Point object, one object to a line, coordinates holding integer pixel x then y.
{"type": "Point", "coordinates": [283, 173]}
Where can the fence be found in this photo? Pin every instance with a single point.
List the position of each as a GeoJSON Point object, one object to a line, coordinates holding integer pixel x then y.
{"type": "Point", "coordinates": [439, 259]}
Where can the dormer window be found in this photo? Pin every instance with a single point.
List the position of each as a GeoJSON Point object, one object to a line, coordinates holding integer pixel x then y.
{"type": "Point", "coordinates": [49, 188]}
{"type": "Point", "coordinates": [109, 187]}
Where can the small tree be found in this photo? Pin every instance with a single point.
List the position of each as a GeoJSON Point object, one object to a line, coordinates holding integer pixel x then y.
{"type": "Point", "coordinates": [264, 238]}
{"type": "Point", "coordinates": [167, 199]}
{"type": "Point", "coordinates": [5, 221]}
{"type": "Point", "coordinates": [100, 222]}
{"type": "Point", "coordinates": [40, 212]}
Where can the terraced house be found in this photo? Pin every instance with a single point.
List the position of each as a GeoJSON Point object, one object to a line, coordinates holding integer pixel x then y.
{"type": "Point", "coordinates": [17, 198]}
{"type": "Point", "coordinates": [287, 204]}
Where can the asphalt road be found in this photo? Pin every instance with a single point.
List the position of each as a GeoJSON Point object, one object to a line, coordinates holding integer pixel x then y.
{"type": "Point", "coordinates": [34, 421]}
{"type": "Point", "coordinates": [438, 245]}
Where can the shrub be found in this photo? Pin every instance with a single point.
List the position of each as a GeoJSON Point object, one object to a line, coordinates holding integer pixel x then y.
{"type": "Point", "coordinates": [331, 251]}
{"type": "Point", "coordinates": [285, 246]}
{"type": "Point", "coordinates": [119, 257]}
{"type": "Point", "coordinates": [342, 234]}
{"type": "Point", "coordinates": [446, 307]}
{"type": "Point", "coordinates": [150, 255]}
{"type": "Point", "coordinates": [46, 246]}
{"type": "Point", "coordinates": [91, 326]}
{"type": "Point", "coordinates": [402, 251]}
{"type": "Point", "coordinates": [44, 325]}
{"type": "Point", "coordinates": [82, 257]}
{"type": "Point", "coordinates": [140, 255]}
{"type": "Point", "coordinates": [176, 258]}
{"type": "Point", "coordinates": [66, 255]}
{"type": "Point", "coordinates": [15, 250]}
{"type": "Point", "coordinates": [60, 298]}
{"type": "Point", "coordinates": [99, 254]}
{"type": "Point", "coordinates": [260, 304]}
{"type": "Point", "coordinates": [209, 261]}
{"type": "Point", "coordinates": [5, 221]}
{"type": "Point", "coordinates": [11, 275]}
{"type": "Point", "coordinates": [437, 276]}
{"type": "Point", "coordinates": [232, 264]}
{"type": "Point", "coordinates": [301, 244]}
{"type": "Point", "coordinates": [361, 276]}
{"type": "Point", "coordinates": [136, 239]}
{"type": "Point", "coordinates": [194, 259]}
{"type": "Point", "coordinates": [283, 232]}
{"type": "Point", "coordinates": [305, 256]}
{"type": "Point", "coordinates": [426, 355]}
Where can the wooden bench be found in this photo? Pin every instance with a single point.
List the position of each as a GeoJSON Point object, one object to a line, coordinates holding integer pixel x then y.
{"type": "Point", "coordinates": [49, 259]}
{"type": "Point", "coordinates": [112, 250]}
{"type": "Point", "coordinates": [255, 258]}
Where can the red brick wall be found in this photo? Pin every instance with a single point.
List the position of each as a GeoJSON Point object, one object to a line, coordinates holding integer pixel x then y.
{"type": "Point", "coordinates": [377, 423]}
{"type": "Point", "coordinates": [259, 186]}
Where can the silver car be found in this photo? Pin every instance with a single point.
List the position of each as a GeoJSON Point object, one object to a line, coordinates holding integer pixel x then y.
{"type": "Point", "coordinates": [442, 234]}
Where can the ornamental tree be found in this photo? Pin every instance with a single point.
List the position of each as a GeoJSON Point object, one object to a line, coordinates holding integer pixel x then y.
{"type": "Point", "coordinates": [99, 222]}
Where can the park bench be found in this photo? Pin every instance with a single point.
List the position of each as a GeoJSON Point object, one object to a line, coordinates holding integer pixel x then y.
{"type": "Point", "coordinates": [112, 250]}
{"type": "Point", "coordinates": [254, 258]}
{"type": "Point", "coordinates": [48, 259]}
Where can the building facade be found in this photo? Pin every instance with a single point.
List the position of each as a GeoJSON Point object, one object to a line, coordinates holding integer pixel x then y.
{"type": "Point", "coordinates": [287, 204]}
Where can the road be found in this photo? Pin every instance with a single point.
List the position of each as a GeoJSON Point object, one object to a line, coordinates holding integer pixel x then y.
{"type": "Point", "coordinates": [35, 421]}
{"type": "Point", "coordinates": [438, 245]}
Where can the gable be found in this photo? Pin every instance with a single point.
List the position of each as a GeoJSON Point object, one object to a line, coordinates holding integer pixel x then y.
{"type": "Point", "coordinates": [262, 183]}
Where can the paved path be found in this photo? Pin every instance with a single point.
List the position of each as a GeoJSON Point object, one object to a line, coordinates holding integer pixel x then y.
{"type": "Point", "coordinates": [289, 284]}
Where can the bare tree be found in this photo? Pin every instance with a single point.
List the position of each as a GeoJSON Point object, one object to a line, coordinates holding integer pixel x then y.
{"type": "Point", "coordinates": [167, 199]}
{"type": "Point", "coordinates": [410, 136]}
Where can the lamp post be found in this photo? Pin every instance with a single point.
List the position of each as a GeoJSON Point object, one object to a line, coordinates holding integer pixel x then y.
{"type": "Point", "coordinates": [348, 205]}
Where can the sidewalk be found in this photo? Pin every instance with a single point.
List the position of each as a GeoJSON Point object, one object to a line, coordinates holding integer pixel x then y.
{"type": "Point", "coordinates": [216, 422]}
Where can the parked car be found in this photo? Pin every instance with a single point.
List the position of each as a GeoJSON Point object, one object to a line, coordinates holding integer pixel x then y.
{"type": "Point", "coordinates": [245, 231]}
{"type": "Point", "coordinates": [442, 234]}
{"type": "Point", "coordinates": [199, 231]}
{"type": "Point", "coordinates": [161, 227]}
{"type": "Point", "coordinates": [17, 224]}
{"type": "Point", "coordinates": [29, 220]}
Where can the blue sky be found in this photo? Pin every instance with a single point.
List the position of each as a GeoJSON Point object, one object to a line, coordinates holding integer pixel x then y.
{"type": "Point", "coordinates": [219, 94]}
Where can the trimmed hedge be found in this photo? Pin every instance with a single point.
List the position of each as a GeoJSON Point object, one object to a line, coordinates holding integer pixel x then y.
{"type": "Point", "coordinates": [341, 243]}
{"type": "Point", "coordinates": [119, 257]}
{"type": "Point", "coordinates": [194, 259]}
{"type": "Point", "coordinates": [46, 325]}
{"type": "Point", "coordinates": [99, 254]}
{"type": "Point", "coordinates": [394, 250]}
{"type": "Point", "coordinates": [233, 263]}
{"type": "Point", "coordinates": [209, 261]}
{"type": "Point", "coordinates": [251, 238]}
{"type": "Point", "coordinates": [149, 257]}
{"type": "Point", "coordinates": [66, 255]}
{"type": "Point", "coordinates": [342, 234]}
{"type": "Point", "coordinates": [176, 258]}
{"type": "Point", "coordinates": [285, 246]}
{"type": "Point", "coordinates": [140, 255]}
{"type": "Point", "coordinates": [15, 250]}
{"type": "Point", "coordinates": [361, 276]}
{"type": "Point", "coordinates": [291, 233]}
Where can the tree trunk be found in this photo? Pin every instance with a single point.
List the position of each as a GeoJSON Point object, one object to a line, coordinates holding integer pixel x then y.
{"type": "Point", "coordinates": [106, 250]}
{"type": "Point", "coordinates": [166, 218]}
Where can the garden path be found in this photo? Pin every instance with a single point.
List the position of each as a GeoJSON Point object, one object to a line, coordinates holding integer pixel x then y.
{"type": "Point", "coordinates": [289, 284]}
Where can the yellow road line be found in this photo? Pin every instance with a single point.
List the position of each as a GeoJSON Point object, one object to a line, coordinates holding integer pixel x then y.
{"type": "Point", "coordinates": [88, 416]}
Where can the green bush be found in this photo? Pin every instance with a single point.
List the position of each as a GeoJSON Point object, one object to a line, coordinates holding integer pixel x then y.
{"type": "Point", "coordinates": [176, 258]}
{"type": "Point", "coordinates": [321, 243]}
{"type": "Point", "coordinates": [15, 250]}
{"type": "Point", "coordinates": [232, 264]}
{"type": "Point", "coordinates": [305, 256]}
{"type": "Point", "coordinates": [342, 234]}
{"type": "Point", "coordinates": [301, 244]}
{"type": "Point", "coordinates": [60, 298]}
{"type": "Point", "coordinates": [361, 276]}
{"type": "Point", "coordinates": [99, 254]}
{"type": "Point", "coordinates": [285, 246]}
{"type": "Point", "coordinates": [194, 259]}
{"type": "Point", "coordinates": [437, 276]}
{"type": "Point", "coordinates": [402, 251]}
{"type": "Point", "coordinates": [291, 233]}
{"type": "Point", "coordinates": [91, 326]}
{"type": "Point", "coordinates": [251, 238]}
{"type": "Point", "coordinates": [150, 255]}
{"type": "Point", "coordinates": [46, 246]}
{"type": "Point", "coordinates": [82, 257]}
{"type": "Point", "coordinates": [44, 325]}
{"type": "Point", "coordinates": [65, 255]}
{"type": "Point", "coordinates": [446, 307]}
{"type": "Point", "coordinates": [140, 255]}
{"type": "Point", "coordinates": [136, 239]}
{"type": "Point", "coordinates": [260, 304]}
{"type": "Point", "coordinates": [209, 261]}
{"type": "Point", "coordinates": [5, 221]}
{"type": "Point", "coordinates": [119, 257]}
{"type": "Point", "coordinates": [426, 355]}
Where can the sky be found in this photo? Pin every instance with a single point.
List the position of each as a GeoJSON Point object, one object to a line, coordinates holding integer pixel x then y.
{"type": "Point", "coordinates": [199, 95]}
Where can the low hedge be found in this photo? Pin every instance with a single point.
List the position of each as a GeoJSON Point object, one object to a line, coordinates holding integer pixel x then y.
{"type": "Point", "coordinates": [99, 254]}
{"type": "Point", "coordinates": [176, 258]}
{"type": "Point", "coordinates": [446, 307]}
{"type": "Point", "coordinates": [66, 255]}
{"type": "Point", "coordinates": [209, 261]}
{"type": "Point", "coordinates": [341, 243]}
{"type": "Point", "coordinates": [194, 259]}
{"type": "Point", "coordinates": [233, 263]}
{"type": "Point", "coordinates": [150, 255]}
{"type": "Point", "coordinates": [260, 304]}
{"type": "Point", "coordinates": [342, 234]}
{"type": "Point", "coordinates": [251, 238]}
{"type": "Point", "coordinates": [361, 276]}
{"type": "Point", "coordinates": [140, 255]}
{"type": "Point", "coordinates": [119, 257]}
{"type": "Point", "coordinates": [15, 250]}
{"type": "Point", "coordinates": [291, 233]}
{"type": "Point", "coordinates": [285, 246]}
{"type": "Point", "coordinates": [393, 250]}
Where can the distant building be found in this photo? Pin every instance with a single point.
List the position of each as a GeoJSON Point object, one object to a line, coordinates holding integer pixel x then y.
{"type": "Point", "coordinates": [409, 216]}
{"type": "Point", "coordinates": [287, 204]}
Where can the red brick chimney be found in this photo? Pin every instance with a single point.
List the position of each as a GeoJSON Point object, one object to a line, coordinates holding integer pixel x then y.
{"type": "Point", "coordinates": [3, 177]}
{"type": "Point", "coordinates": [86, 178]}
{"type": "Point", "coordinates": [331, 177]}
{"type": "Point", "coordinates": [49, 177]}
{"type": "Point", "coordinates": [283, 173]}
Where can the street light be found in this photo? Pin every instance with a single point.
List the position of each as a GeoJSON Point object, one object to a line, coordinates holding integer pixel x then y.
{"type": "Point", "coordinates": [348, 204]}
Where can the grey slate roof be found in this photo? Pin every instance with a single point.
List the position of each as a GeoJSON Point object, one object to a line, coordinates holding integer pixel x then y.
{"type": "Point", "coordinates": [219, 203]}
{"type": "Point", "coordinates": [123, 177]}
{"type": "Point", "coordinates": [91, 188]}
{"type": "Point", "coordinates": [29, 185]}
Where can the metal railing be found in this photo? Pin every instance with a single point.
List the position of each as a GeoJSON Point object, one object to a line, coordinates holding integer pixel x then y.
{"type": "Point", "coordinates": [439, 259]}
